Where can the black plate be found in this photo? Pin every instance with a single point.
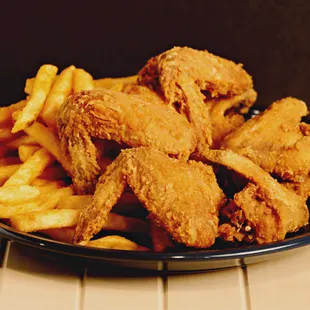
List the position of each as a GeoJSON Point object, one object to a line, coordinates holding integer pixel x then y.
{"type": "Point", "coordinates": [164, 262]}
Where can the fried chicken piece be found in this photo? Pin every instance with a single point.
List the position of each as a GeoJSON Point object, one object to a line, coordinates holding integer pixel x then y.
{"type": "Point", "coordinates": [181, 74]}
{"type": "Point", "coordinates": [276, 140]}
{"type": "Point", "coordinates": [116, 116]}
{"type": "Point", "coordinates": [144, 93]}
{"type": "Point", "coordinates": [183, 197]}
{"type": "Point", "coordinates": [265, 208]}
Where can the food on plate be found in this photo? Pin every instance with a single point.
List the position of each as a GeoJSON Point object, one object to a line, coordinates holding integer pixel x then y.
{"type": "Point", "coordinates": [163, 160]}
{"type": "Point", "coordinates": [188, 79]}
{"type": "Point", "coordinates": [190, 216]}
{"type": "Point", "coordinates": [276, 140]}
{"type": "Point", "coordinates": [120, 117]}
{"type": "Point", "coordinates": [264, 210]}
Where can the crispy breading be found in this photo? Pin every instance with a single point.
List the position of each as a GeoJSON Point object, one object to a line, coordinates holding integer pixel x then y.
{"type": "Point", "coordinates": [116, 116]}
{"type": "Point", "coordinates": [268, 208]}
{"type": "Point", "coordinates": [182, 73]}
{"type": "Point", "coordinates": [159, 182]}
{"type": "Point", "coordinates": [276, 140]}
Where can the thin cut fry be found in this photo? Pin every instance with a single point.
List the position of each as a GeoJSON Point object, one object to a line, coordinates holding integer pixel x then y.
{"type": "Point", "coordinates": [46, 219]}
{"type": "Point", "coordinates": [24, 140]}
{"type": "Point", "coordinates": [30, 82]}
{"type": "Point", "coordinates": [7, 171]}
{"type": "Point", "coordinates": [6, 161]}
{"type": "Point", "coordinates": [82, 80]}
{"type": "Point", "coordinates": [6, 112]}
{"type": "Point", "coordinates": [57, 96]}
{"type": "Point", "coordinates": [110, 82]}
{"type": "Point", "coordinates": [7, 211]}
{"type": "Point", "coordinates": [41, 87]}
{"type": "Point", "coordinates": [75, 202]}
{"type": "Point", "coordinates": [116, 243]}
{"type": "Point", "coordinates": [31, 168]}
{"type": "Point", "coordinates": [6, 134]}
{"type": "Point", "coordinates": [46, 138]}
{"type": "Point", "coordinates": [18, 194]}
{"type": "Point", "coordinates": [117, 87]}
{"type": "Point", "coordinates": [161, 239]}
{"type": "Point", "coordinates": [43, 183]}
{"type": "Point", "coordinates": [64, 234]}
{"type": "Point", "coordinates": [26, 151]}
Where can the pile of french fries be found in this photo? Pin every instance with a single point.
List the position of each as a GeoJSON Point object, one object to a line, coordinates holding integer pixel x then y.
{"type": "Point", "coordinates": [36, 194]}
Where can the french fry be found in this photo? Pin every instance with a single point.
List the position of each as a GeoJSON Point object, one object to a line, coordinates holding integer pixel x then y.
{"type": "Point", "coordinates": [41, 87]}
{"type": "Point", "coordinates": [57, 96]}
{"type": "Point", "coordinates": [24, 140]}
{"type": "Point", "coordinates": [31, 168]}
{"type": "Point", "coordinates": [75, 202]}
{"type": "Point", "coordinates": [42, 183]}
{"type": "Point", "coordinates": [123, 223]}
{"type": "Point", "coordinates": [110, 82]}
{"type": "Point", "coordinates": [45, 219]}
{"type": "Point", "coordinates": [29, 85]}
{"type": "Point", "coordinates": [6, 134]}
{"type": "Point", "coordinates": [7, 211]}
{"type": "Point", "coordinates": [6, 161]}
{"type": "Point", "coordinates": [161, 239]}
{"type": "Point", "coordinates": [7, 171]}
{"type": "Point", "coordinates": [30, 82]}
{"type": "Point", "coordinates": [117, 87]}
{"type": "Point", "coordinates": [53, 198]}
{"type": "Point", "coordinates": [64, 234]}
{"type": "Point", "coordinates": [26, 151]}
{"type": "Point", "coordinates": [116, 243]}
{"type": "Point", "coordinates": [6, 112]}
{"type": "Point", "coordinates": [46, 138]}
{"type": "Point", "coordinates": [82, 80]}
{"type": "Point", "coordinates": [18, 194]}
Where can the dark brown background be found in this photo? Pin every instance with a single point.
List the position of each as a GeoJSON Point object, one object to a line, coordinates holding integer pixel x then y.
{"type": "Point", "coordinates": [115, 38]}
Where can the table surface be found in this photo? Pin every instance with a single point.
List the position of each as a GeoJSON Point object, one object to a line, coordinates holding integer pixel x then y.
{"type": "Point", "coordinates": [34, 279]}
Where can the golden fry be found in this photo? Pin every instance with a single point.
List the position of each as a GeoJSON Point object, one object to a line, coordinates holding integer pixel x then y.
{"type": "Point", "coordinates": [26, 151]}
{"type": "Point", "coordinates": [110, 82]}
{"type": "Point", "coordinates": [6, 134]}
{"type": "Point", "coordinates": [6, 112]}
{"type": "Point", "coordinates": [50, 141]}
{"type": "Point", "coordinates": [45, 219]}
{"type": "Point", "coordinates": [24, 140]}
{"type": "Point", "coordinates": [57, 96]}
{"type": "Point", "coordinates": [116, 243]}
{"type": "Point", "coordinates": [31, 168]}
{"type": "Point", "coordinates": [82, 80]}
{"type": "Point", "coordinates": [18, 194]}
{"type": "Point", "coordinates": [7, 211]}
{"type": "Point", "coordinates": [41, 87]}
{"type": "Point", "coordinates": [43, 183]}
{"type": "Point", "coordinates": [161, 239]}
{"type": "Point", "coordinates": [64, 234]}
{"type": "Point", "coordinates": [7, 171]}
{"type": "Point", "coordinates": [123, 223]}
{"type": "Point", "coordinates": [75, 202]}
{"type": "Point", "coordinates": [117, 87]}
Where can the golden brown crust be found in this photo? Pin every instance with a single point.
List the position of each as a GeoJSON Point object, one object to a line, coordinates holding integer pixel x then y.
{"type": "Point", "coordinates": [159, 182]}
{"type": "Point", "coordinates": [275, 140]}
{"type": "Point", "coordinates": [116, 116]}
{"type": "Point", "coordinates": [180, 74]}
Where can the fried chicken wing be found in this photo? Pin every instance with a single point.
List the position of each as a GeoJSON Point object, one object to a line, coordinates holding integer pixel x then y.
{"type": "Point", "coordinates": [183, 75]}
{"type": "Point", "coordinates": [182, 197]}
{"type": "Point", "coordinates": [264, 209]}
{"type": "Point", "coordinates": [116, 116]}
{"type": "Point", "coordinates": [276, 140]}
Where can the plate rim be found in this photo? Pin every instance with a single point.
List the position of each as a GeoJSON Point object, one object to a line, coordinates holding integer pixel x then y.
{"type": "Point", "coordinates": [7, 232]}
